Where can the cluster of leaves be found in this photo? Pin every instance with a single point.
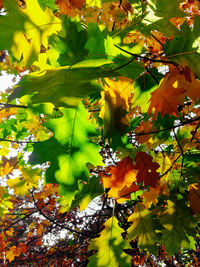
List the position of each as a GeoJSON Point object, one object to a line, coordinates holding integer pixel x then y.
{"type": "Point", "coordinates": [100, 141]}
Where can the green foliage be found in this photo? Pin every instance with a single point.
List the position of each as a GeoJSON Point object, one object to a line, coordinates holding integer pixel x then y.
{"type": "Point", "coordinates": [184, 48]}
{"type": "Point", "coordinates": [109, 110]}
{"type": "Point", "coordinates": [31, 29]}
{"type": "Point", "coordinates": [110, 247]}
{"type": "Point", "coordinates": [178, 227]}
{"type": "Point", "coordinates": [69, 150]}
{"type": "Point", "coordinates": [64, 86]}
{"type": "Point", "coordinates": [142, 227]}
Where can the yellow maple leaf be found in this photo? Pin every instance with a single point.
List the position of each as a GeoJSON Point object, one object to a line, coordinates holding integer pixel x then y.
{"type": "Point", "coordinates": [8, 165]}
{"type": "Point", "coordinates": [28, 179]}
{"type": "Point", "coordinates": [115, 104]}
{"type": "Point", "coordinates": [32, 30]}
{"type": "Point", "coordinates": [4, 148]}
{"type": "Point", "coordinates": [6, 113]}
{"type": "Point", "coordinates": [5, 202]}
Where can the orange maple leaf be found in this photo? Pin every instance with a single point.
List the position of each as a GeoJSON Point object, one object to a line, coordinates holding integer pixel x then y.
{"type": "Point", "coordinates": [40, 229]}
{"type": "Point", "coordinates": [70, 7]}
{"type": "Point", "coordinates": [146, 169]}
{"type": "Point", "coordinates": [194, 198]}
{"type": "Point", "coordinates": [143, 128]}
{"type": "Point", "coordinates": [15, 251]}
{"type": "Point", "coordinates": [8, 165]}
{"type": "Point", "coordinates": [172, 91]}
{"type": "Point", "coordinates": [122, 180]}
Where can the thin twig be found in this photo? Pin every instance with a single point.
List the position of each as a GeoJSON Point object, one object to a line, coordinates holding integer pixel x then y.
{"type": "Point", "coordinates": [169, 128]}
{"type": "Point", "coordinates": [56, 223]}
{"type": "Point", "coordinates": [146, 58]}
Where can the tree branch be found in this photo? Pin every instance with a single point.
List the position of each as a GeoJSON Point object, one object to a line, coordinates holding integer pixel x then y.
{"type": "Point", "coordinates": [56, 223]}
{"type": "Point", "coordinates": [169, 128]}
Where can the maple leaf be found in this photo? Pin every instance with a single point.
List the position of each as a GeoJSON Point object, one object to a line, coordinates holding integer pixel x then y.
{"type": "Point", "coordinates": [178, 226]}
{"type": "Point", "coordinates": [15, 251]}
{"type": "Point", "coordinates": [183, 52]}
{"type": "Point", "coordinates": [122, 180]}
{"type": "Point", "coordinates": [8, 165]}
{"type": "Point", "coordinates": [194, 198]}
{"type": "Point", "coordinates": [5, 202]}
{"type": "Point", "coordinates": [31, 29]}
{"type": "Point", "coordinates": [146, 169]}
{"type": "Point", "coordinates": [115, 104]}
{"type": "Point", "coordinates": [70, 7]}
{"type": "Point", "coordinates": [28, 179]}
{"type": "Point", "coordinates": [142, 227]}
{"type": "Point", "coordinates": [172, 91]}
{"type": "Point", "coordinates": [158, 17]}
{"type": "Point", "coordinates": [168, 96]}
{"type": "Point", "coordinates": [64, 86]}
{"type": "Point", "coordinates": [144, 127]}
{"type": "Point", "coordinates": [150, 197]}
{"type": "Point", "coordinates": [87, 192]}
{"type": "Point", "coordinates": [72, 150]}
{"type": "Point", "coordinates": [109, 247]}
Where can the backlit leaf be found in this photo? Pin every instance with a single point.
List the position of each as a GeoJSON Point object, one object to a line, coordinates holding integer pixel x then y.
{"type": "Point", "coordinates": [121, 180]}
{"type": "Point", "coordinates": [69, 150]}
{"type": "Point", "coordinates": [110, 247]}
{"type": "Point", "coordinates": [115, 104]}
{"type": "Point", "coordinates": [29, 179]}
{"type": "Point", "coordinates": [87, 192]}
{"type": "Point", "coordinates": [172, 91]}
{"type": "Point", "coordinates": [142, 227]}
{"type": "Point", "coordinates": [64, 86]}
{"type": "Point", "coordinates": [194, 198]}
{"type": "Point", "coordinates": [31, 29]}
{"type": "Point", "coordinates": [178, 226]}
{"type": "Point", "coordinates": [146, 169]}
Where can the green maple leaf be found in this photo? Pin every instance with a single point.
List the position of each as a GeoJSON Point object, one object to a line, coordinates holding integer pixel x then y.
{"type": "Point", "coordinates": [47, 3]}
{"type": "Point", "coordinates": [24, 30]}
{"type": "Point", "coordinates": [184, 48]}
{"type": "Point", "coordinates": [87, 192]}
{"type": "Point", "coordinates": [159, 13]}
{"type": "Point", "coordinates": [70, 42]}
{"type": "Point", "coordinates": [64, 86]}
{"type": "Point", "coordinates": [142, 228]}
{"type": "Point", "coordinates": [69, 150]}
{"type": "Point", "coordinates": [166, 8]}
{"type": "Point", "coordinates": [110, 247]}
{"type": "Point", "coordinates": [178, 227]}
{"type": "Point", "coordinates": [143, 87]}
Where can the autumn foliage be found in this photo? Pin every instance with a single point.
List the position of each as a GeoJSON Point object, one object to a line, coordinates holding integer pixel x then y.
{"type": "Point", "coordinates": [100, 140]}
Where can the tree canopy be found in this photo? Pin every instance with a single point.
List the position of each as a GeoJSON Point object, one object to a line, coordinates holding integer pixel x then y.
{"type": "Point", "coordinates": [100, 140]}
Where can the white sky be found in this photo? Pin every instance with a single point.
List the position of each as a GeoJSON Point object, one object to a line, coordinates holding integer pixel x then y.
{"type": "Point", "coordinates": [7, 80]}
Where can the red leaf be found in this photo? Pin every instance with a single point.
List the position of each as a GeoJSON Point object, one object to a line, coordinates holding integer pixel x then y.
{"type": "Point", "coordinates": [146, 169]}
{"type": "Point", "coordinates": [194, 198]}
